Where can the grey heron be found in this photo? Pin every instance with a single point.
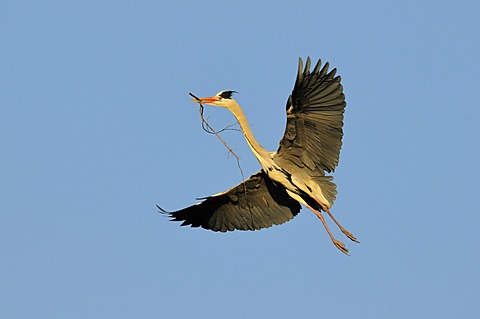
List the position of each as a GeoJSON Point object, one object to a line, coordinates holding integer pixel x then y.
{"type": "Point", "coordinates": [293, 175]}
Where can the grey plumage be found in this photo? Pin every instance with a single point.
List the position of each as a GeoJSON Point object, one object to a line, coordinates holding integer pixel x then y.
{"type": "Point", "coordinates": [295, 173]}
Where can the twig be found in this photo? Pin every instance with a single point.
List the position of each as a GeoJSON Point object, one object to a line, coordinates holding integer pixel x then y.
{"type": "Point", "coordinates": [209, 129]}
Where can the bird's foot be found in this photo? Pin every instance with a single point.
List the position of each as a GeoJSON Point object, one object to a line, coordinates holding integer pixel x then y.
{"type": "Point", "coordinates": [341, 246]}
{"type": "Point", "coordinates": [349, 235]}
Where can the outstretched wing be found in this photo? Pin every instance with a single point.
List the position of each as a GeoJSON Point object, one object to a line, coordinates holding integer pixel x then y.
{"type": "Point", "coordinates": [253, 204]}
{"type": "Point", "coordinates": [313, 136]}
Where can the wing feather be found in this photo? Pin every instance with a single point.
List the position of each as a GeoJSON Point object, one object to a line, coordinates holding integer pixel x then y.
{"type": "Point", "coordinates": [313, 135]}
{"type": "Point", "coordinates": [253, 204]}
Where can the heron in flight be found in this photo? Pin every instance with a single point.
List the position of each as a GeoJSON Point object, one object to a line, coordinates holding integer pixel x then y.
{"type": "Point", "coordinates": [295, 173]}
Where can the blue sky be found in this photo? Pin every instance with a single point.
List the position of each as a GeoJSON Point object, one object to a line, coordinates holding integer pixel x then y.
{"type": "Point", "coordinates": [96, 127]}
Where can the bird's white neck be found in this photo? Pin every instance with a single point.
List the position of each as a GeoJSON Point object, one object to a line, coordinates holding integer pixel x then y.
{"type": "Point", "coordinates": [260, 153]}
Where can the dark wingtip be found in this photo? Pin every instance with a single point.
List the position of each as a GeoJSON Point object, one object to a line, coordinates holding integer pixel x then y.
{"type": "Point", "coordinates": [317, 66]}
{"type": "Point", "coordinates": [307, 66]}
{"type": "Point", "coordinates": [324, 70]}
{"type": "Point", "coordinates": [300, 69]}
{"type": "Point", "coordinates": [163, 211]}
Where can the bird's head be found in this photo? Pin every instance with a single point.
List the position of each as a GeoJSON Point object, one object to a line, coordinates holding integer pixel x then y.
{"type": "Point", "coordinates": [221, 99]}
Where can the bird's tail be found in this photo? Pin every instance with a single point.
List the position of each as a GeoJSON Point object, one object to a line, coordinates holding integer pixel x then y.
{"type": "Point", "coordinates": [327, 187]}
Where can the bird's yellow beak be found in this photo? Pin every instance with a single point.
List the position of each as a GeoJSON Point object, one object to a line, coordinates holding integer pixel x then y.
{"type": "Point", "coordinates": [205, 100]}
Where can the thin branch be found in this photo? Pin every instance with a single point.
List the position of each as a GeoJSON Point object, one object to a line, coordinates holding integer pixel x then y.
{"type": "Point", "coordinates": [209, 129]}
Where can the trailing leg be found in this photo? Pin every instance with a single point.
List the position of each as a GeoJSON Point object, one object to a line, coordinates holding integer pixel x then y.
{"type": "Point", "coordinates": [336, 242]}
{"type": "Point", "coordinates": [346, 232]}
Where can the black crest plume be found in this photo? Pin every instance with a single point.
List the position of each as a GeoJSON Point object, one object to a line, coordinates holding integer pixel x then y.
{"type": "Point", "coordinates": [227, 94]}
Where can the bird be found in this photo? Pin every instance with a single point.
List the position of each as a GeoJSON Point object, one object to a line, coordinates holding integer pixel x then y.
{"type": "Point", "coordinates": [295, 174]}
